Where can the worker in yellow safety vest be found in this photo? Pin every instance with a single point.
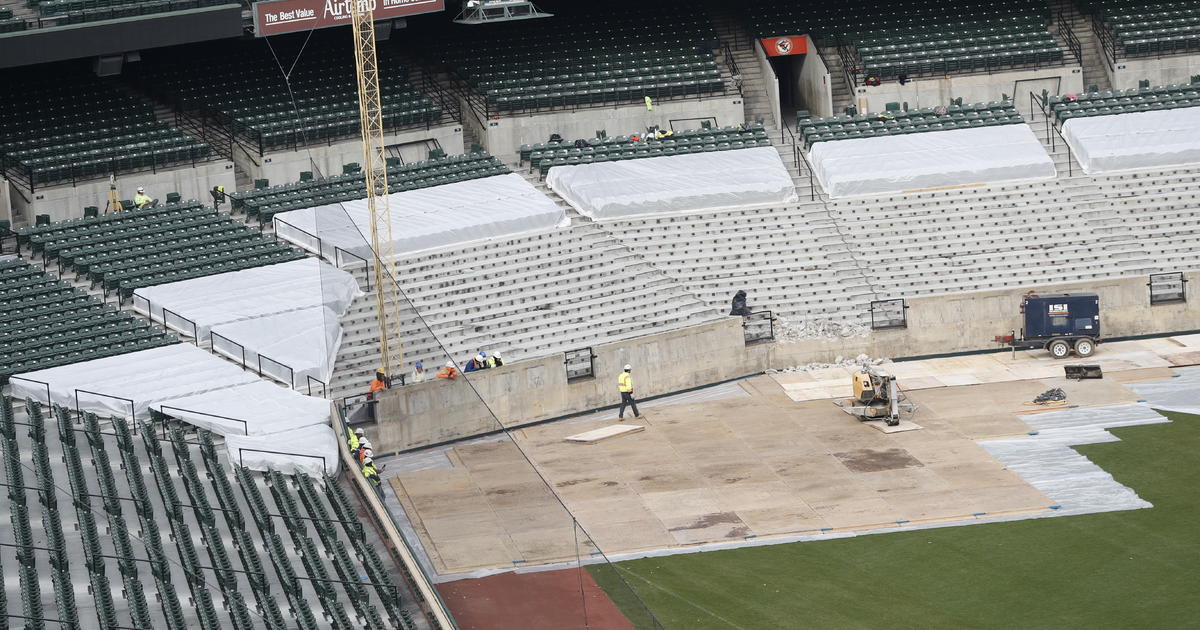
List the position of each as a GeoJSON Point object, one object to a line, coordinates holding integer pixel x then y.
{"type": "Point", "coordinates": [625, 386]}
{"type": "Point", "coordinates": [352, 441]}
{"type": "Point", "coordinates": [369, 471]}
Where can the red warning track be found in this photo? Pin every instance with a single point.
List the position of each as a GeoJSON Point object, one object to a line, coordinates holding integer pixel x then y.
{"type": "Point", "coordinates": [546, 600]}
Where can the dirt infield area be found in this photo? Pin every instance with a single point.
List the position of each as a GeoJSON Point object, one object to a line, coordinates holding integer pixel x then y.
{"type": "Point", "coordinates": [544, 600]}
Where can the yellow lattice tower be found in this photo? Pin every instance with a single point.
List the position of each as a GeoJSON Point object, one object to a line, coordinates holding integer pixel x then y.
{"type": "Point", "coordinates": [387, 294]}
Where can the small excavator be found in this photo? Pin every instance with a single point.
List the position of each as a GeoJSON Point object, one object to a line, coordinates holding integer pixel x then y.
{"type": "Point", "coordinates": [877, 397]}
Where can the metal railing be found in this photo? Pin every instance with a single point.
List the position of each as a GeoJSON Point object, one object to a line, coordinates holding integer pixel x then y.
{"type": "Point", "coordinates": [1068, 35]}
{"type": "Point", "coordinates": [850, 68]}
{"type": "Point", "coordinates": [889, 314]}
{"type": "Point", "coordinates": [1053, 133]}
{"type": "Point", "coordinates": [579, 363]}
{"type": "Point", "coordinates": [1167, 288]}
{"type": "Point", "coordinates": [735, 73]}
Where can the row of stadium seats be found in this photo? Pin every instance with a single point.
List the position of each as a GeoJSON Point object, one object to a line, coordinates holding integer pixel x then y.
{"type": "Point", "coordinates": [896, 122]}
{"type": "Point", "coordinates": [45, 322]}
{"type": "Point", "coordinates": [1125, 101]}
{"type": "Point", "coordinates": [1141, 27]}
{"type": "Point", "coordinates": [336, 565]}
{"type": "Point", "coordinates": [71, 126]}
{"type": "Point", "coordinates": [746, 133]}
{"type": "Point", "coordinates": [622, 148]}
{"type": "Point", "coordinates": [913, 37]}
{"type": "Point", "coordinates": [265, 203]}
{"type": "Point", "coordinates": [583, 55]}
{"type": "Point", "coordinates": [242, 87]}
{"type": "Point", "coordinates": [125, 251]}
{"type": "Point", "coordinates": [118, 8]}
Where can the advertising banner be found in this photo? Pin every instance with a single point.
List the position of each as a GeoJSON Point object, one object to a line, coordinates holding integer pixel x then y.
{"type": "Point", "coordinates": [288, 16]}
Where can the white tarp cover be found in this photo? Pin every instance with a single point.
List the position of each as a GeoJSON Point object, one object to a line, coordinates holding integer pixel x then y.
{"type": "Point", "coordinates": [312, 450]}
{"type": "Point", "coordinates": [696, 181]}
{"type": "Point", "coordinates": [1181, 393]}
{"type": "Point", "coordinates": [294, 345]}
{"type": "Point", "coordinates": [868, 166]}
{"type": "Point", "coordinates": [427, 218]}
{"type": "Point", "coordinates": [1047, 461]}
{"type": "Point", "coordinates": [1135, 140]}
{"type": "Point", "coordinates": [145, 377]}
{"type": "Point", "coordinates": [255, 408]}
{"type": "Point", "coordinates": [247, 294]}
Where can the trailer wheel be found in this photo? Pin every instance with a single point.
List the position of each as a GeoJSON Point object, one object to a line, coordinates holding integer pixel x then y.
{"type": "Point", "coordinates": [1059, 349]}
{"type": "Point", "coordinates": [1085, 347]}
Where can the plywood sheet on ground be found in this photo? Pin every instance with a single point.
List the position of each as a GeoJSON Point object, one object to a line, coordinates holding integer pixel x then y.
{"type": "Point", "coordinates": [996, 367]}
{"type": "Point", "coordinates": [724, 470]}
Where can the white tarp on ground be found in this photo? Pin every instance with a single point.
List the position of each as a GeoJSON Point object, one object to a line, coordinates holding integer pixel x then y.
{"type": "Point", "coordinates": [247, 294]}
{"type": "Point", "coordinates": [427, 218]}
{"type": "Point", "coordinates": [255, 408]}
{"type": "Point", "coordinates": [696, 181]}
{"type": "Point", "coordinates": [1136, 140]}
{"type": "Point", "coordinates": [295, 346]}
{"type": "Point", "coordinates": [131, 383]}
{"type": "Point", "coordinates": [1181, 393]}
{"type": "Point", "coordinates": [1047, 461]}
{"type": "Point", "coordinates": [312, 450]}
{"type": "Point", "coordinates": [868, 166]}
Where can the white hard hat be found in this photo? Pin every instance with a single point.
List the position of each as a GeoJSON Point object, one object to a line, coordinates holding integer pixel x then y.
{"type": "Point", "coordinates": [140, 189]}
{"type": "Point", "coordinates": [369, 452]}
{"type": "Point", "coordinates": [359, 431]}
{"type": "Point", "coordinates": [479, 357]}
{"type": "Point", "coordinates": [496, 354]}
{"type": "Point", "coordinates": [628, 367]}
{"type": "Point", "coordinates": [365, 444]}
{"type": "Point", "coordinates": [368, 461]}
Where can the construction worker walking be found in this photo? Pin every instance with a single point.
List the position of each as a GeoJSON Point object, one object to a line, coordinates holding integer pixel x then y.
{"type": "Point", "coordinates": [625, 386]}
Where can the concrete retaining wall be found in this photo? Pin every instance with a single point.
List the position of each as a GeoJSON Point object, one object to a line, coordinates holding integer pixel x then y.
{"type": "Point", "coordinates": [281, 167]}
{"type": "Point", "coordinates": [537, 389]}
{"type": "Point", "coordinates": [1159, 71]}
{"type": "Point", "coordinates": [68, 202]}
{"type": "Point", "coordinates": [503, 135]}
{"type": "Point", "coordinates": [973, 88]}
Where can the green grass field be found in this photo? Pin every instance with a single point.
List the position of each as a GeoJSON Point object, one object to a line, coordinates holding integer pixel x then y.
{"type": "Point", "coordinates": [1111, 570]}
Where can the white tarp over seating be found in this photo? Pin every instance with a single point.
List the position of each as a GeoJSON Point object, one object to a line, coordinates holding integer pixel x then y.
{"type": "Point", "coordinates": [1135, 140]}
{"type": "Point", "coordinates": [255, 408]}
{"type": "Point", "coordinates": [247, 294]}
{"type": "Point", "coordinates": [131, 383]}
{"type": "Point", "coordinates": [312, 450]}
{"type": "Point", "coordinates": [868, 166]}
{"type": "Point", "coordinates": [426, 218]}
{"type": "Point", "coordinates": [292, 347]}
{"type": "Point", "coordinates": [695, 181]}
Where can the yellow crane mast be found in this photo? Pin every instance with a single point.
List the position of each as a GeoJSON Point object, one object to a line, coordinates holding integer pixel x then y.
{"type": "Point", "coordinates": [388, 304]}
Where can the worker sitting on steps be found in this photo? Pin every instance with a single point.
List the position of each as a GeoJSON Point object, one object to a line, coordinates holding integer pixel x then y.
{"type": "Point", "coordinates": [625, 386]}
{"type": "Point", "coordinates": [142, 200]}
{"type": "Point", "coordinates": [378, 383]}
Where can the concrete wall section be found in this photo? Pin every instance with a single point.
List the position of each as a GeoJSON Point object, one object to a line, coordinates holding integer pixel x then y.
{"type": "Point", "coordinates": [503, 136]}
{"type": "Point", "coordinates": [281, 167]}
{"type": "Point", "coordinates": [969, 321]}
{"type": "Point", "coordinates": [973, 88]}
{"type": "Point", "coordinates": [770, 81]}
{"type": "Point", "coordinates": [1159, 71]}
{"type": "Point", "coordinates": [6, 194]}
{"type": "Point", "coordinates": [537, 389]}
{"type": "Point", "coordinates": [815, 88]}
{"type": "Point", "coordinates": [68, 202]}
